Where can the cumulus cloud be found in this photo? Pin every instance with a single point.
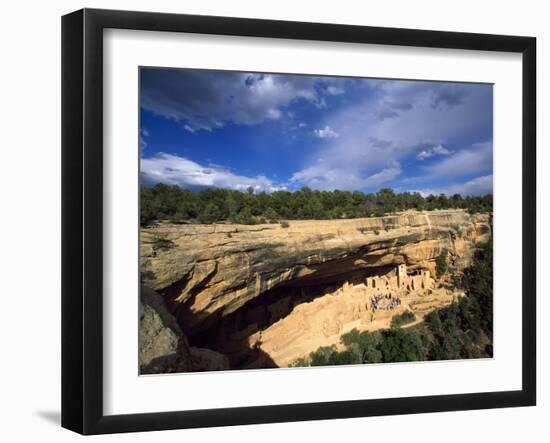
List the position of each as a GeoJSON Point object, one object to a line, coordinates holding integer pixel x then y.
{"type": "Point", "coordinates": [398, 104]}
{"type": "Point", "coordinates": [389, 108]}
{"type": "Point", "coordinates": [481, 185]}
{"type": "Point", "coordinates": [143, 134]}
{"type": "Point", "coordinates": [335, 90]}
{"type": "Point", "coordinates": [431, 152]}
{"type": "Point", "coordinates": [382, 130]}
{"type": "Point", "coordinates": [476, 159]}
{"type": "Point", "coordinates": [379, 143]}
{"type": "Point", "coordinates": [209, 100]}
{"type": "Point", "coordinates": [385, 112]}
{"type": "Point", "coordinates": [448, 96]}
{"type": "Point", "coordinates": [383, 176]}
{"type": "Point", "coordinates": [175, 170]}
{"type": "Point", "coordinates": [326, 132]}
{"type": "Point", "coordinates": [325, 176]}
{"type": "Point", "coordinates": [297, 127]}
{"type": "Point", "coordinates": [477, 186]}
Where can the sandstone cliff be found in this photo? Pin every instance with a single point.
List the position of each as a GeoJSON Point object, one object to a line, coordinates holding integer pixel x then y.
{"type": "Point", "coordinates": [163, 347]}
{"type": "Point", "coordinates": [210, 271]}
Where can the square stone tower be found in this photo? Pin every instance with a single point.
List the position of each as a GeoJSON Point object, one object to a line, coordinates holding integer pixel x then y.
{"type": "Point", "coordinates": [401, 275]}
{"type": "Point", "coordinates": [426, 280]}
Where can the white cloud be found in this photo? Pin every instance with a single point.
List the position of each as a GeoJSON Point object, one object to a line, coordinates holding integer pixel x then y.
{"type": "Point", "coordinates": [431, 152]}
{"type": "Point", "coordinates": [189, 128]}
{"type": "Point", "coordinates": [324, 176]}
{"type": "Point", "coordinates": [335, 90]}
{"type": "Point", "coordinates": [297, 127]}
{"type": "Point", "coordinates": [144, 133]}
{"type": "Point", "coordinates": [325, 132]}
{"type": "Point", "coordinates": [175, 170]}
{"type": "Point", "coordinates": [396, 120]}
{"type": "Point", "coordinates": [383, 176]}
{"type": "Point", "coordinates": [475, 159]}
{"type": "Point", "coordinates": [208, 100]}
{"type": "Point", "coordinates": [477, 186]}
{"type": "Point", "coordinates": [449, 95]}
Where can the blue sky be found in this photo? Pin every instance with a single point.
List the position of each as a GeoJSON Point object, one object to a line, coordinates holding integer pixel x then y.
{"type": "Point", "coordinates": [277, 131]}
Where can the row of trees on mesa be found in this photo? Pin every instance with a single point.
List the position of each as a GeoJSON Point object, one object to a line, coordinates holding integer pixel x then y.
{"type": "Point", "coordinates": [165, 202]}
{"type": "Point", "coordinates": [462, 330]}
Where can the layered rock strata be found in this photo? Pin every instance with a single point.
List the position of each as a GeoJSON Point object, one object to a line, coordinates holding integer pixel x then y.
{"type": "Point", "coordinates": [207, 272]}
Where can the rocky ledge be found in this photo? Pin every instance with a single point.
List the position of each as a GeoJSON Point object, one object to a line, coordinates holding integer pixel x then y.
{"type": "Point", "coordinates": [206, 272]}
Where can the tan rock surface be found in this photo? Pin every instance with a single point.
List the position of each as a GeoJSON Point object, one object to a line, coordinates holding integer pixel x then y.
{"type": "Point", "coordinates": [324, 320]}
{"type": "Point", "coordinates": [212, 270]}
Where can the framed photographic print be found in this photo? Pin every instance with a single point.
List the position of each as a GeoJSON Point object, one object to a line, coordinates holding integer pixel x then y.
{"type": "Point", "coordinates": [269, 221]}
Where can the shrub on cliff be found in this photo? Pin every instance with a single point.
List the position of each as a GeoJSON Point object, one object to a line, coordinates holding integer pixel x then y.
{"type": "Point", "coordinates": [478, 281]}
{"type": "Point", "coordinates": [364, 344]}
{"type": "Point", "coordinates": [441, 265]}
{"type": "Point", "coordinates": [210, 214]}
{"type": "Point", "coordinates": [160, 242]}
{"type": "Point", "coordinates": [400, 345]}
{"type": "Point", "coordinates": [402, 319]}
{"type": "Point", "coordinates": [271, 215]}
{"type": "Point", "coordinates": [329, 356]}
{"type": "Point", "coordinates": [321, 357]}
{"type": "Point", "coordinates": [245, 217]}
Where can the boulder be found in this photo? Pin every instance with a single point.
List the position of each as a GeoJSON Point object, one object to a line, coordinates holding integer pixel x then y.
{"type": "Point", "coordinates": [162, 346]}
{"type": "Point", "coordinates": [207, 360]}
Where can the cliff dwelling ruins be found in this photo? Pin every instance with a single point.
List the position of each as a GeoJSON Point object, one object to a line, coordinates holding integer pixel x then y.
{"type": "Point", "coordinates": [291, 321]}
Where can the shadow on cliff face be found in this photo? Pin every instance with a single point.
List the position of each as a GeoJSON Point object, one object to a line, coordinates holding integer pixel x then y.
{"type": "Point", "coordinates": [164, 347]}
{"type": "Point", "coordinates": [228, 335]}
{"type": "Point", "coordinates": [238, 334]}
{"type": "Point", "coordinates": [240, 354]}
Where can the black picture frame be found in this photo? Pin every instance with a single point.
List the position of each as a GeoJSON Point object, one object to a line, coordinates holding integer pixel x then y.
{"type": "Point", "coordinates": [82, 219]}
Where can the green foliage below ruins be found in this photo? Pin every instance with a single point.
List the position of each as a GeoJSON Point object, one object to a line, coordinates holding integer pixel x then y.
{"type": "Point", "coordinates": [163, 202]}
{"type": "Point", "coordinates": [462, 330]}
{"type": "Point", "coordinates": [441, 265]}
{"type": "Point", "coordinates": [402, 319]}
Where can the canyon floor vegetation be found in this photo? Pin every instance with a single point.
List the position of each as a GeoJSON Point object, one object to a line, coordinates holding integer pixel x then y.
{"type": "Point", "coordinates": [462, 330]}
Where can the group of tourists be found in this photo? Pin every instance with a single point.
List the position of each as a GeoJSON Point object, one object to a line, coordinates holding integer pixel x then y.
{"type": "Point", "coordinates": [384, 302]}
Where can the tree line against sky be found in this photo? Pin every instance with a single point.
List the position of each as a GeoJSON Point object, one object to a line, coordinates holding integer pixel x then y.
{"type": "Point", "coordinates": [212, 205]}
